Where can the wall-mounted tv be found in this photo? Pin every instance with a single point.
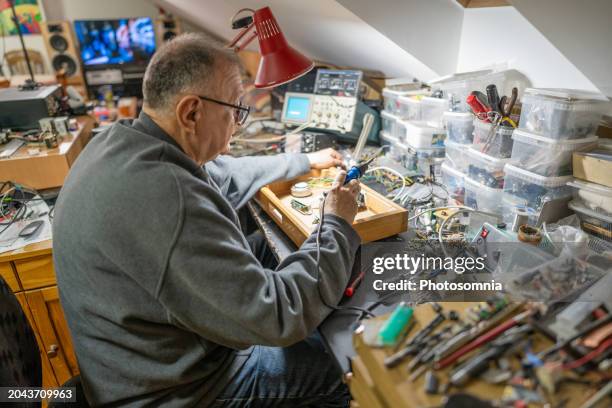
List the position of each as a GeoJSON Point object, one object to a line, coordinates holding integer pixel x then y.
{"type": "Point", "coordinates": [114, 42]}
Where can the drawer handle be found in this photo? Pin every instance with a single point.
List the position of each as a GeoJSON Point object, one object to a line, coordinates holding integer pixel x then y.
{"type": "Point", "coordinates": [52, 352]}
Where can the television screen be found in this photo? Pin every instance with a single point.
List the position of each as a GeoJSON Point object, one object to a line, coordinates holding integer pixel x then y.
{"type": "Point", "coordinates": [111, 42]}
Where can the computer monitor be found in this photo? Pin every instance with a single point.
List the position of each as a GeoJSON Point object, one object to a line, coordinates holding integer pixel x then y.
{"type": "Point", "coordinates": [297, 108]}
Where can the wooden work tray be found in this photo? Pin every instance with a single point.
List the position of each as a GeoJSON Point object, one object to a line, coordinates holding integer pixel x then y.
{"type": "Point", "coordinates": [381, 218]}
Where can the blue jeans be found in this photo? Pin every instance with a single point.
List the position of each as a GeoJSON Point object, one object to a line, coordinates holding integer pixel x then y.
{"type": "Point", "coordinates": [301, 375]}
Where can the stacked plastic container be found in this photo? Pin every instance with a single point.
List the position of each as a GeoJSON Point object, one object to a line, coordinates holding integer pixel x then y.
{"type": "Point", "coordinates": [554, 124]}
{"type": "Point", "coordinates": [592, 204]}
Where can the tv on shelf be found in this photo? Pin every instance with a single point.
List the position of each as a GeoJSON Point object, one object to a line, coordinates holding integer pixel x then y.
{"type": "Point", "coordinates": [116, 42]}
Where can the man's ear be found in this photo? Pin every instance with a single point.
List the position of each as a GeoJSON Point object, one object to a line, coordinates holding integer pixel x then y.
{"type": "Point", "coordinates": [187, 112]}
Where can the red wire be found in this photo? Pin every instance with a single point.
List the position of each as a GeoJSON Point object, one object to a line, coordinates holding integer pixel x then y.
{"type": "Point", "coordinates": [588, 357]}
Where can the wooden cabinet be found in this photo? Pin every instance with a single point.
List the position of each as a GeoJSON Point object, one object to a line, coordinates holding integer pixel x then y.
{"type": "Point", "coordinates": [29, 272]}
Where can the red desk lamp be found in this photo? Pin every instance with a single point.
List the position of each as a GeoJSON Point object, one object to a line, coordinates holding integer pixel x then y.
{"type": "Point", "coordinates": [279, 62]}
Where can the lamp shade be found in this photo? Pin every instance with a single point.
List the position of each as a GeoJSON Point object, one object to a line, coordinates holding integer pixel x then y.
{"type": "Point", "coordinates": [279, 62]}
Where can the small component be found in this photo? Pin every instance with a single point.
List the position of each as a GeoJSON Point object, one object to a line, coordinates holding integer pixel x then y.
{"type": "Point", "coordinates": [30, 229]}
{"type": "Point", "coordinates": [316, 220]}
{"type": "Point", "coordinates": [431, 383]}
{"type": "Point", "coordinates": [395, 324]}
{"type": "Point", "coordinates": [46, 125]}
{"type": "Point", "coordinates": [453, 315]}
{"type": "Point", "coordinates": [436, 307]}
{"type": "Point", "coordinates": [62, 125]}
{"type": "Point", "coordinates": [50, 139]}
{"type": "Point", "coordinates": [301, 189]}
{"type": "Point", "coordinates": [301, 207]}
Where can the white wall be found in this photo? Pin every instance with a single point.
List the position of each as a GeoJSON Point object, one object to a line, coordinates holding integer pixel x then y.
{"type": "Point", "coordinates": [501, 34]}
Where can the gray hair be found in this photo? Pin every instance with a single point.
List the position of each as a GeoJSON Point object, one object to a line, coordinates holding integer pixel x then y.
{"type": "Point", "coordinates": [187, 62]}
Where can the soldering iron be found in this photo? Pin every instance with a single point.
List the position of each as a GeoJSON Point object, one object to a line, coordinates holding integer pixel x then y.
{"type": "Point", "coordinates": [356, 172]}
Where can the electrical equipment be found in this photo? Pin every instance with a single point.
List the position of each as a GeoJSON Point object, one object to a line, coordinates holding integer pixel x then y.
{"type": "Point", "coordinates": [22, 109]}
{"type": "Point", "coordinates": [60, 43]}
{"type": "Point", "coordinates": [308, 142]}
{"type": "Point", "coordinates": [333, 107]}
{"type": "Point", "coordinates": [166, 28]}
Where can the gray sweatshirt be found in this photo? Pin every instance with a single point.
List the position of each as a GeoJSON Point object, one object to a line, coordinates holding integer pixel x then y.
{"type": "Point", "coordinates": [162, 294]}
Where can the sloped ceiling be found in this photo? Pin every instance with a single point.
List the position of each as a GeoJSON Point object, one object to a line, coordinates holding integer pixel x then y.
{"type": "Point", "coordinates": [324, 30]}
{"type": "Point", "coordinates": [580, 30]}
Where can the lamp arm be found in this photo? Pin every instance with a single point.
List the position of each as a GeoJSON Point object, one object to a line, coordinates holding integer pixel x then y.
{"type": "Point", "coordinates": [239, 47]}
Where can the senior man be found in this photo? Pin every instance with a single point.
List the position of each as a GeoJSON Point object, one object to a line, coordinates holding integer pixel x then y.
{"type": "Point", "coordinates": [166, 302]}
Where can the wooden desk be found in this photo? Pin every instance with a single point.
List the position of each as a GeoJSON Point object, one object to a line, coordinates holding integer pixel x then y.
{"type": "Point", "coordinates": [373, 385]}
{"type": "Point", "coordinates": [29, 273]}
{"type": "Point", "coordinates": [49, 168]}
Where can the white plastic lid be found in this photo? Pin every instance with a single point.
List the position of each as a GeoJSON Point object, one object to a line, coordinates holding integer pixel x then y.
{"type": "Point", "coordinates": [448, 143]}
{"type": "Point", "coordinates": [477, 186]}
{"type": "Point", "coordinates": [483, 157]}
{"type": "Point", "coordinates": [457, 116]}
{"type": "Point", "coordinates": [534, 178]}
{"type": "Point", "coordinates": [577, 207]}
{"type": "Point", "coordinates": [392, 92]}
{"type": "Point", "coordinates": [570, 95]}
{"type": "Point", "coordinates": [448, 168]}
{"type": "Point", "coordinates": [521, 135]}
{"type": "Point", "coordinates": [412, 99]}
{"type": "Point", "coordinates": [419, 127]}
{"type": "Point", "coordinates": [591, 187]}
{"type": "Point", "coordinates": [387, 137]}
{"type": "Point", "coordinates": [435, 101]}
{"type": "Point", "coordinates": [388, 115]}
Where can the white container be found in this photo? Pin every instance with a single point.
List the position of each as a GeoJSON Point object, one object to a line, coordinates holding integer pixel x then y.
{"type": "Point", "coordinates": [511, 205]}
{"type": "Point", "coordinates": [484, 169]}
{"type": "Point", "coordinates": [409, 107]}
{"type": "Point", "coordinates": [388, 123]}
{"type": "Point", "coordinates": [459, 127]}
{"type": "Point", "coordinates": [545, 156]}
{"type": "Point", "coordinates": [456, 156]}
{"type": "Point", "coordinates": [481, 197]}
{"type": "Point", "coordinates": [561, 113]}
{"type": "Point", "coordinates": [420, 135]}
{"type": "Point", "coordinates": [533, 190]}
{"type": "Point", "coordinates": [594, 197]}
{"type": "Point", "coordinates": [432, 110]}
{"type": "Point", "coordinates": [498, 144]}
{"type": "Point", "coordinates": [391, 100]}
{"type": "Point", "coordinates": [396, 150]}
{"type": "Point", "coordinates": [457, 91]}
{"type": "Point", "coordinates": [594, 223]}
{"type": "Point", "coordinates": [453, 181]}
{"type": "Point", "coordinates": [420, 160]}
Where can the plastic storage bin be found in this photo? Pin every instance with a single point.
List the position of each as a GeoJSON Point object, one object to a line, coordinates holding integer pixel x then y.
{"type": "Point", "coordinates": [594, 223]}
{"type": "Point", "coordinates": [459, 127]}
{"type": "Point", "coordinates": [388, 123]}
{"type": "Point", "coordinates": [420, 160]}
{"type": "Point", "coordinates": [409, 107]}
{"type": "Point", "coordinates": [594, 197]}
{"type": "Point", "coordinates": [534, 190]}
{"type": "Point", "coordinates": [511, 204]}
{"type": "Point", "coordinates": [419, 134]}
{"type": "Point", "coordinates": [481, 197]}
{"type": "Point", "coordinates": [453, 181]}
{"type": "Point", "coordinates": [456, 156]}
{"type": "Point", "coordinates": [544, 156]}
{"type": "Point", "coordinates": [498, 144]}
{"type": "Point", "coordinates": [456, 91]}
{"type": "Point", "coordinates": [432, 110]}
{"type": "Point", "coordinates": [484, 169]}
{"type": "Point", "coordinates": [561, 113]}
{"type": "Point", "coordinates": [391, 100]}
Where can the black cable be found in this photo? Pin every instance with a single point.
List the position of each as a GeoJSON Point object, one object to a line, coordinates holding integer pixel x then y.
{"type": "Point", "coordinates": [318, 240]}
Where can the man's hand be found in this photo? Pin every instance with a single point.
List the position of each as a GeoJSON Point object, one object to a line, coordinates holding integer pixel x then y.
{"type": "Point", "coordinates": [324, 159]}
{"type": "Point", "coordinates": [342, 200]}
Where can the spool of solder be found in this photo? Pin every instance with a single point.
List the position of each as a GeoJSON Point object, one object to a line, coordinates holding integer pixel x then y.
{"type": "Point", "coordinates": [396, 323]}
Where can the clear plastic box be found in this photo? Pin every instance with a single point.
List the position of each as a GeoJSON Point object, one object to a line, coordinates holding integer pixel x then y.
{"type": "Point", "coordinates": [481, 197]}
{"type": "Point", "coordinates": [391, 100]}
{"type": "Point", "coordinates": [419, 134]}
{"type": "Point", "coordinates": [388, 123]}
{"type": "Point", "coordinates": [453, 181]}
{"type": "Point", "coordinates": [420, 160]}
{"type": "Point", "coordinates": [432, 110]}
{"type": "Point", "coordinates": [456, 156]}
{"type": "Point", "coordinates": [533, 190]}
{"type": "Point", "coordinates": [459, 127]}
{"type": "Point", "coordinates": [544, 156]}
{"type": "Point", "coordinates": [498, 144]}
{"type": "Point", "coordinates": [511, 204]}
{"type": "Point", "coordinates": [593, 222]}
{"type": "Point", "coordinates": [409, 107]}
{"type": "Point", "coordinates": [561, 113]}
{"type": "Point", "coordinates": [396, 150]}
{"type": "Point", "coordinates": [456, 92]}
{"type": "Point", "coordinates": [484, 169]}
{"type": "Point", "coordinates": [594, 197]}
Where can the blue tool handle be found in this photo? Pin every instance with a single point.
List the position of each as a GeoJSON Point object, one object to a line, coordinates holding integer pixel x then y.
{"type": "Point", "coordinates": [353, 174]}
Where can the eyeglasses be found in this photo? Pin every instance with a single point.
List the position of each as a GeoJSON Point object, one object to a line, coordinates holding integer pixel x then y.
{"type": "Point", "coordinates": [241, 112]}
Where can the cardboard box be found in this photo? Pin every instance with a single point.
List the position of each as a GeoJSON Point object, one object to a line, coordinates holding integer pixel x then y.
{"type": "Point", "coordinates": [594, 166]}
